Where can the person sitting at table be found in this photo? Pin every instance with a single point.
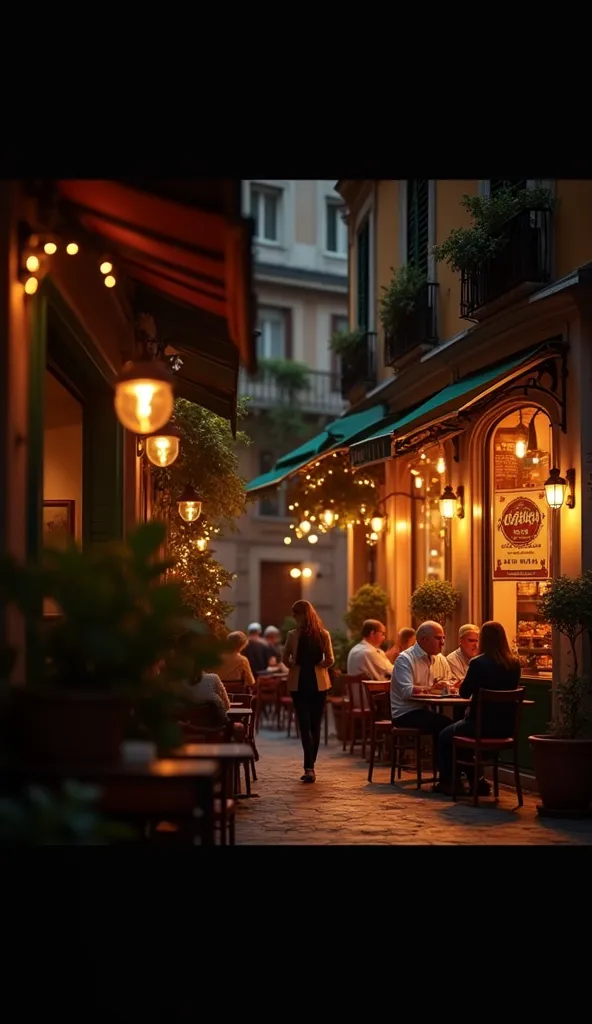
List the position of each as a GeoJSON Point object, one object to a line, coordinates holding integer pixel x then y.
{"type": "Point", "coordinates": [405, 640]}
{"type": "Point", "coordinates": [468, 644]}
{"type": "Point", "coordinates": [257, 651]}
{"type": "Point", "coordinates": [494, 668]}
{"type": "Point", "coordinates": [367, 658]}
{"type": "Point", "coordinates": [209, 689]}
{"type": "Point", "coordinates": [235, 668]}
{"type": "Point", "coordinates": [414, 675]}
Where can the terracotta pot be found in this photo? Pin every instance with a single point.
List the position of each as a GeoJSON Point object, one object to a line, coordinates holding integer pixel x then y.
{"type": "Point", "coordinates": [64, 726]}
{"type": "Point", "coordinates": [563, 770]}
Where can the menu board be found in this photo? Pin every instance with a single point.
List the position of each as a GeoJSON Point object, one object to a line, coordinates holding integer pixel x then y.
{"type": "Point", "coordinates": [521, 535]}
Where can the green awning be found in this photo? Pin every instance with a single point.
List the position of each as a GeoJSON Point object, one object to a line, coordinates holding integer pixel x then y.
{"type": "Point", "coordinates": [448, 402]}
{"type": "Point", "coordinates": [338, 434]}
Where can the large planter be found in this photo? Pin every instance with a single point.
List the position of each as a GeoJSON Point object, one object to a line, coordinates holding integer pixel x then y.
{"type": "Point", "coordinates": [61, 726]}
{"type": "Point", "coordinates": [563, 770]}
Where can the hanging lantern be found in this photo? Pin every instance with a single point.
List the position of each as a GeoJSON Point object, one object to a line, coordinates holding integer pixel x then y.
{"type": "Point", "coordinates": [144, 396]}
{"type": "Point", "coordinates": [521, 433]}
{"type": "Point", "coordinates": [447, 503]}
{"type": "Point", "coordinates": [189, 504]}
{"type": "Point", "coordinates": [377, 521]}
{"type": "Point", "coordinates": [162, 448]}
{"type": "Point", "coordinates": [555, 488]}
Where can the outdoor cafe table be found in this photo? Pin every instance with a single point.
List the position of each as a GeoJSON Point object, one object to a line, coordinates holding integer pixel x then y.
{"type": "Point", "coordinates": [223, 752]}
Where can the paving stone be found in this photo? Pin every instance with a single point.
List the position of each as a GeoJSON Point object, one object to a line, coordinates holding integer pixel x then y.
{"type": "Point", "coordinates": [343, 808]}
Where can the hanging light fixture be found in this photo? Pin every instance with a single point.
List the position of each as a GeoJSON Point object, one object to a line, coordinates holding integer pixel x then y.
{"type": "Point", "coordinates": [377, 521]}
{"type": "Point", "coordinates": [521, 444]}
{"type": "Point", "coordinates": [189, 504]}
{"type": "Point", "coordinates": [447, 503]}
{"type": "Point", "coordinates": [162, 448]}
{"type": "Point", "coordinates": [144, 397]}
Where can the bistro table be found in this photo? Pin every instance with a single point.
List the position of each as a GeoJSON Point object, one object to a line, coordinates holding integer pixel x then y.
{"type": "Point", "coordinates": [233, 753]}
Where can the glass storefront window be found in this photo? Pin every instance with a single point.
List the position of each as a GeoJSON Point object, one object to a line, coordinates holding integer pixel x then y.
{"type": "Point", "coordinates": [427, 473]}
{"type": "Point", "coordinates": [520, 531]}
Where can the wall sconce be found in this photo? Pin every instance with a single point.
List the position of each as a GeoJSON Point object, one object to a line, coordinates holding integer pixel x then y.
{"type": "Point", "coordinates": [377, 521]}
{"type": "Point", "coordinates": [451, 502]}
{"type": "Point", "coordinates": [556, 487]}
{"type": "Point", "coordinates": [295, 573]}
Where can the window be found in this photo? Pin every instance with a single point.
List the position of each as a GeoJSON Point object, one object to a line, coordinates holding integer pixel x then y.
{"type": "Point", "coordinates": [338, 324]}
{"type": "Point", "coordinates": [336, 234]}
{"type": "Point", "coordinates": [430, 549]}
{"type": "Point", "coordinates": [273, 504]}
{"type": "Point", "coordinates": [265, 209]}
{"type": "Point", "coordinates": [418, 223]}
{"type": "Point", "coordinates": [272, 343]}
{"type": "Point", "coordinates": [521, 534]}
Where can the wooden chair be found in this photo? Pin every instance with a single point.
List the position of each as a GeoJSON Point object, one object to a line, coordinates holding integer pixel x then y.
{"type": "Point", "coordinates": [198, 724]}
{"type": "Point", "coordinates": [485, 750]}
{"type": "Point", "coordinates": [267, 693]}
{"type": "Point", "coordinates": [245, 700]}
{"type": "Point", "coordinates": [357, 712]}
{"type": "Point", "coordinates": [381, 725]}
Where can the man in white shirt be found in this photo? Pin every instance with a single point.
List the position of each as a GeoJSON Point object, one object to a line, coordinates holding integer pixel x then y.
{"type": "Point", "coordinates": [415, 672]}
{"type": "Point", "coordinates": [468, 645]}
{"type": "Point", "coordinates": [367, 658]}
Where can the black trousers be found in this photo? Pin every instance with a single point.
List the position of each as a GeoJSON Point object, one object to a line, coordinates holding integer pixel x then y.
{"type": "Point", "coordinates": [309, 712]}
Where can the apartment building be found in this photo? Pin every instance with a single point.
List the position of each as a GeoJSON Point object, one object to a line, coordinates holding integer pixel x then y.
{"type": "Point", "coordinates": [301, 251]}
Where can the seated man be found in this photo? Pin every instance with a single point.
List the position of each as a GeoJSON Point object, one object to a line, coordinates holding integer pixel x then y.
{"type": "Point", "coordinates": [415, 673]}
{"type": "Point", "coordinates": [257, 651]}
{"type": "Point", "coordinates": [468, 645]}
{"type": "Point", "coordinates": [367, 658]}
{"type": "Point", "coordinates": [405, 640]}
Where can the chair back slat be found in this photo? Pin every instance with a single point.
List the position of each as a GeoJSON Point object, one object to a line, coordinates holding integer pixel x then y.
{"type": "Point", "coordinates": [500, 697]}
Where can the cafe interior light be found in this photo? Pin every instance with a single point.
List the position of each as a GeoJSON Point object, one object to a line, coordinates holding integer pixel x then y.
{"type": "Point", "coordinates": [144, 396]}
{"type": "Point", "coordinates": [189, 504]}
{"type": "Point", "coordinates": [162, 448]}
{"type": "Point", "coordinates": [521, 443]}
{"type": "Point", "coordinates": [560, 489]}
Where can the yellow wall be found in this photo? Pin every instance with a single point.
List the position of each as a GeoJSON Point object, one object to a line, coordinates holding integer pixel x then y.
{"type": "Point", "coordinates": [449, 215]}
{"type": "Point", "coordinates": [573, 225]}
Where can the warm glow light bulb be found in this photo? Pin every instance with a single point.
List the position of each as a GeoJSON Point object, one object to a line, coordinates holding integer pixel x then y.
{"type": "Point", "coordinates": [312, 538]}
{"type": "Point", "coordinates": [418, 483]}
{"type": "Point", "coordinates": [328, 517]}
{"type": "Point", "coordinates": [377, 522]}
{"type": "Point", "coordinates": [307, 573]}
{"type": "Point", "coordinates": [287, 540]}
{"type": "Point", "coordinates": [110, 281]}
{"type": "Point", "coordinates": [201, 543]}
{"type": "Point", "coordinates": [144, 405]}
{"type": "Point", "coordinates": [304, 526]}
{"type": "Point", "coordinates": [106, 267]}
{"type": "Point", "coordinates": [50, 248]}
{"type": "Point", "coordinates": [520, 449]}
{"type": "Point", "coordinates": [31, 285]}
{"type": "Point", "coordinates": [162, 449]}
{"type": "Point", "coordinates": [189, 510]}
{"type": "Point", "coordinates": [32, 264]}
{"type": "Point", "coordinates": [441, 465]}
{"type": "Point", "coordinates": [72, 248]}
{"type": "Point", "coordinates": [295, 573]}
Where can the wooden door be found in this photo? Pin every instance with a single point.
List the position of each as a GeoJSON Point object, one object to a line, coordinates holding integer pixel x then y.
{"type": "Point", "coordinates": [278, 592]}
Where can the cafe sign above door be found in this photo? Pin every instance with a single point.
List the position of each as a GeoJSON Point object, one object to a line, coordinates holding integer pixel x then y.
{"type": "Point", "coordinates": [521, 535]}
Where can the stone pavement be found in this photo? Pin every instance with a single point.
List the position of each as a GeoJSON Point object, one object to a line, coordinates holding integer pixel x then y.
{"type": "Point", "coordinates": [343, 808]}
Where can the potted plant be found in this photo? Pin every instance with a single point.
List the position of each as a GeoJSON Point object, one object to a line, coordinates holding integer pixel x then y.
{"type": "Point", "coordinates": [109, 656]}
{"type": "Point", "coordinates": [563, 757]}
{"type": "Point", "coordinates": [347, 344]}
{"type": "Point", "coordinates": [434, 600]}
{"type": "Point", "coordinates": [401, 296]}
{"type": "Point", "coordinates": [466, 249]}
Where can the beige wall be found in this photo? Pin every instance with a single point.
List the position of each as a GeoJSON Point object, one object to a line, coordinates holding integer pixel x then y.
{"type": "Point", "coordinates": [62, 454]}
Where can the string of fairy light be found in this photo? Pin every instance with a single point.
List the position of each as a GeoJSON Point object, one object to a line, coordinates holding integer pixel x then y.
{"type": "Point", "coordinates": [330, 495]}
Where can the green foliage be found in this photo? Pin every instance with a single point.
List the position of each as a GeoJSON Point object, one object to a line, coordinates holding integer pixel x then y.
{"type": "Point", "coordinates": [567, 606]}
{"type": "Point", "coordinates": [289, 375]}
{"type": "Point", "coordinates": [208, 459]}
{"type": "Point", "coordinates": [344, 343]}
{"type": "Point", "coordinates": [434, 600]}
{"type": "Point", "coordinates": [369, 602]}
{"type": "Point", "coordinates": [342, 645]}
{"type": "Point", "coordinates": [68, 818]}
{"type": "Point", "coordinates": [288, 624]}
{"type": "Point", "coordinates": [286, 421]}
{"type": "Point", "coordinates": [401, 295]}
{"type": "Point", "coordinates": [466, 249]}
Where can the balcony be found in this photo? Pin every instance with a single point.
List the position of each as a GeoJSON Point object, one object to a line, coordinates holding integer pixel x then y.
{"type": "Point", "coordinates": [321, 396]}
{"type": "Point", "coordinates": [358, 367]}
{"type": "Point", "coordinates": [416, 331]}
{"type": "Point", "coordinates": [522, 266]}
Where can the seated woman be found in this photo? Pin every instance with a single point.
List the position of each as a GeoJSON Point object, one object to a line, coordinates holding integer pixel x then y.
{"type": "Point", "coordinates": [494, 668]}
{"type": "Point", "coordinates": [209, 689]}
{"type": "Point", "coordinates": [235, 668]}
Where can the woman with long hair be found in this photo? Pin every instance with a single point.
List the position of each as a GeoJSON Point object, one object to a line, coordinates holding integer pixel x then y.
{"type": "Point", "coordinates": [494, 668]}
{"type": "Point", "coordinates": [308, 655]}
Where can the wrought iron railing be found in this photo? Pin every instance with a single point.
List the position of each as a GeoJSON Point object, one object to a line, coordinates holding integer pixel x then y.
{"type": "Point", "coordinates": [358, 367]}
{"type": "Point", "coordinates": [417, 327]}
{"type": "Point", "coordinates": [322, 393]}
{"type": "Point", "coordinates": [524, 258]}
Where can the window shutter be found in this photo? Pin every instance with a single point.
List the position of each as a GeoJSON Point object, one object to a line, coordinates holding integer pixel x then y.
{"type": "Point", "coordinates": [417, 223]}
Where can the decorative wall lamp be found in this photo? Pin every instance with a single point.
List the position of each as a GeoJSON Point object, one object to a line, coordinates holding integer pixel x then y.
{"type": "Point", "coordinates": [451, 503]}
{"type": "Point", "coordinates": [378, 518]}
{"type": "Point", "coordinates": [556, 487]}
{"type": "Point", "coordinates": [189, 504]}
{"type": "Point", "coordinates": [162, 447]}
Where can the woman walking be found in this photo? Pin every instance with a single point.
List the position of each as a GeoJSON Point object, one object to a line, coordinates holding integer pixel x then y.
{"type": "Point", "coordinates": [308, 655]}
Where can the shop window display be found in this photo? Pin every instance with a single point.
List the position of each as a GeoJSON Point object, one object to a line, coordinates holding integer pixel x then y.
{"type": "Point", "coordinates": [427, 473]}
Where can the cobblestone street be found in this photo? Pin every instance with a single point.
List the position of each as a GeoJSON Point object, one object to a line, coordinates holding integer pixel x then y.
{"type": "Point", "coordinates": [342, 808]}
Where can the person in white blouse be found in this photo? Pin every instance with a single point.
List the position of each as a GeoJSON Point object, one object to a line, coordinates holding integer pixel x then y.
{"type": "Point", "coordinates": [468, 646]}
{"type": "Point", "coordinates": [415, 672]}
{"type": "Point", "coordinates": [367, 658]}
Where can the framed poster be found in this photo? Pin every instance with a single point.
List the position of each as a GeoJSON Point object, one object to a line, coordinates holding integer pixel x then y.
{"type": "Point", "coordinates": [521, 535]}
{"type": "Point", "coordinates": [58, 522]}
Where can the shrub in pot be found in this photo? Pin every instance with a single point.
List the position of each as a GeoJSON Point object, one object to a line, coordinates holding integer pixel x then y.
{"type": "Point", "coordinates": [563, 757]}
{"type": "Point", "coordinates": [434, 600]}
{"type": "Point", "coordinates": [109, 659]}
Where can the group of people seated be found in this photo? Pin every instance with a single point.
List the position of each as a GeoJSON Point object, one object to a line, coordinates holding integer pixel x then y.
{"type": "Point", "coordinates": [418, 667]}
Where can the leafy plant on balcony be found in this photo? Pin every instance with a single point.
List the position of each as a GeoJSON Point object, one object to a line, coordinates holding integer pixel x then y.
{"type": "Point", "coordinates": [400, 295]}
{"type": "Point", "coordinates": [466, 249]}
{"type": "Point", "coordinates": [345, 343]}
{"type": "Point", "coordinates": [291, 378]}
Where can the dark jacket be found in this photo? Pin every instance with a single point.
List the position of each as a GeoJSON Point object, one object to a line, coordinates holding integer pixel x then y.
{"type": "Point", "coordinates": [484, 673]}
{"type": "Point", "coordinates": [257, 652]}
